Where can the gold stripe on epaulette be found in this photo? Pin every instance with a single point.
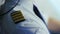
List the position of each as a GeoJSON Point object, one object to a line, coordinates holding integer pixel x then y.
{"type": "Point", "coordinates": [17, 16]}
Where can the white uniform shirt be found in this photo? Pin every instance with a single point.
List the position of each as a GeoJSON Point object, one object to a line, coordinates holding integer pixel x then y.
{"type": "Point", "coordinates": [49, 8]}
{"type": "Point", "coordinates": [32, 24]}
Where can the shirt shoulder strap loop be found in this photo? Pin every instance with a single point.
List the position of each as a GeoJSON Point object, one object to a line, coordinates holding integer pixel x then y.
{"type": "Point", "coordinates": [36, 11]}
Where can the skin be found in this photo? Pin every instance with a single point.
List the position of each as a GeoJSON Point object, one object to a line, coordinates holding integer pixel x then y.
{"type": "Point", "coordinates": [53, 24]}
